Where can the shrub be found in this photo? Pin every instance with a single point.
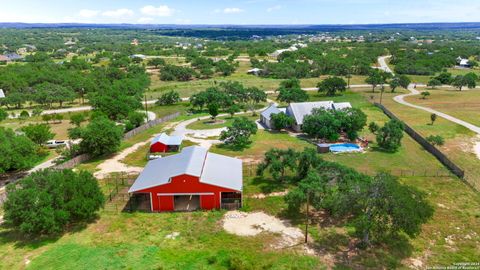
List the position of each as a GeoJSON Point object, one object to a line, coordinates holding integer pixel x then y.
{"type": "Point", "coordinates": [17, 152]}
{"type": "Point", "coordinates": [436, 140]}
{"type": "Point", "coordinates": [101, 136]}
{"type": "Point", "coordinates": [47, 201]}
{"type": "Point", "coordinates": [39, 134]}
{"type": "Point", "coordinates": [389, 137]}
{"type": "Point", "coordinates": [169, 98]}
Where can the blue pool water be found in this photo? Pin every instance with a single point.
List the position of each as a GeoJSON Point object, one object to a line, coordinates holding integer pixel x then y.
{"type": "Point", "coordinates": [344, 147]}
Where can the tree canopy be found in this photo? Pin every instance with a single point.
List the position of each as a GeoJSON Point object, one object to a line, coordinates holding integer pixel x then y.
{"type": "Point", "coordinates": [47, 201]}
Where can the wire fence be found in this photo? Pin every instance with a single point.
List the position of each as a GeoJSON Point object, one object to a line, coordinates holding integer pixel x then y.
{"type": "Point", "coordinates": [250, 170]}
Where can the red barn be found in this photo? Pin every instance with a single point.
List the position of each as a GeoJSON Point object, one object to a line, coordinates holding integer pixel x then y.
{"type": "Point", "coordinates": [191, 180]}
{"type": "Point", "coordinates": [164, 143]}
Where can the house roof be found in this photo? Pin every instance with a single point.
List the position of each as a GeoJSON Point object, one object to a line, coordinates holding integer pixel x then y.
{"type": "Point", "coordinates": [167, 140]}
{"type": "Point", "coordinates": [300, 110]}
{"type": "Point", "coordinates": [2, 94]}
{"type": "Point", "coordinates": [464, 62]}
{"type": "Point", "coordinates": [13, 56]}
{"type": "Point", "coordinates": [269, 111]}
{"type": "Point", "coordinates": [211, 168]}
{"type": "Point", "coordinates": [342, 105]}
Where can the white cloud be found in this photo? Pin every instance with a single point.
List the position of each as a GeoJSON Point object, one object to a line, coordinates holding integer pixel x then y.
{"type": "Point", "coordinates": [145, 20]}
{"type": "Point", "coordinates": [183, 21]}
{"type": "Point", "coordinates": [118, 13]}
{"type": "Point", "coordinates": [88, 13]}
{"type": "Point", "coordinates": [160, 11]}
{"type": "Point", "coordinates": [277, 7]}
{"type": "Point", "coordinates": [229, 10]}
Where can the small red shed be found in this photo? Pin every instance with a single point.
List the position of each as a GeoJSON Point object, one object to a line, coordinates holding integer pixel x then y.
{"type": "Point", "coordinates": [191, 180]}
{"type": "Point", "coordinates": [164, 143]}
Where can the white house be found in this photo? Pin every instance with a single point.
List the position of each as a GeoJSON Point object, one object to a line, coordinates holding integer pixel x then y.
{"type": "Point", "coordinates": [254, 71]}
{"type": "Point", "coordinates": [298, 111]}
{"type": "Point", "coordinates": [462, 62]}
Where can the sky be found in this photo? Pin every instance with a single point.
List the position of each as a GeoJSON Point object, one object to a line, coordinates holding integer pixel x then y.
{"type": "Point", "coordinates": [240, 11]}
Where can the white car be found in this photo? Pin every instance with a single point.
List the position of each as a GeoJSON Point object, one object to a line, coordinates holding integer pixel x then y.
{"type": "Point", "coordinates": [152, 157]}
{"type": "Point", "coordinates": [55, 144]}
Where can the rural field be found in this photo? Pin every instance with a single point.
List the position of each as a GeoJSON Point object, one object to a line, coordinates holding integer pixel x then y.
{"type": "Point", "coordinates": [142, 240]}
{"type": "Point", "coordinates": [239, 136]}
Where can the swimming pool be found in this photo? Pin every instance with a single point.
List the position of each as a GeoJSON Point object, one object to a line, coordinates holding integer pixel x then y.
{"type": "Point", "coordinates": [344, 147]}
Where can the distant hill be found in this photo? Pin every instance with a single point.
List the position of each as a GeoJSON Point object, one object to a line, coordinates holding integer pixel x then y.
{"type": "Point", "coordinates": [326, 27]}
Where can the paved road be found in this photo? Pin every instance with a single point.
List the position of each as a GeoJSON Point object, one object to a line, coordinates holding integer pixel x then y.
{"type": "Point", "coordinates": [413, 92]}
{"type": "Point", "coordinates": [383, 64]}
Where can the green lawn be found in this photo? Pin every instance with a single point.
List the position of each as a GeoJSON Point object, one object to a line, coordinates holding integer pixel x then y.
{"type": "Point", "coordinates": [460, 104]}
{"type": "Point", "coordinates": [60, 129]}
{"type": "Point", "coordinates": [459, 141]}
{"type": "Point", "coordinates": [224, 121]}
{"type": "Point", "coordinates": [186, 89]}
{"type": "Point", "coordinates": [138, 240]}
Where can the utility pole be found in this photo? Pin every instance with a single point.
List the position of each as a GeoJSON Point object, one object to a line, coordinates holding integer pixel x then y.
{"type": "Point", "coordinates": [306, 217]}
{"type": "Point", "coordinates": [146, 109]}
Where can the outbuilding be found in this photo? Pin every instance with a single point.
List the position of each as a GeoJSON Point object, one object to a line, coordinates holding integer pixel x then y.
{"type": "Point", "coordinates": [164, 143]}
{"type": "Point", "coordinates": [191, 180]}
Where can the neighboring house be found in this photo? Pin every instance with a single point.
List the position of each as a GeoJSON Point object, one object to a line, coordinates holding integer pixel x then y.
{"type": "Point", "coordinates": [2, 94]}
{"type": "Point", "coordinates": [164, 143]}
{"type": "Point", "coordinates": [254, 71]}
{"type": "Point", "coordinates": [298, 111]}
{"type": "Point", "coordinates": [342, 105]}
{"type": "Point", "coordinates": [3, 58]}
{"type": "Point", "coordinates": [13, 56]}
{"type": "Point", "coordinates": [191, 180]}
{"type": "Point", "coordinates": [462, 62]}
{"type": "Point", "coordinates": [265, 116]}
{"type": "Point", "coordinates": [141, 56]}
{"type": "Point", "coordinates": [70, 43]}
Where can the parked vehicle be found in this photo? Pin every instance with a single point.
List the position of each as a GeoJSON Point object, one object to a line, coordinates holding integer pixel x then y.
{"type": "Point", "coordinates": [152, 157]}
{"type": "Point", "coordinates": [55, 144]}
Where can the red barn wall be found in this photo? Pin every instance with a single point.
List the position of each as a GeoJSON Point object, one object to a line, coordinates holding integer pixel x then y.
{"type": "Point", "coordinates": [158, 147]}
{"type": "Point", "coordinates": [185, 184]}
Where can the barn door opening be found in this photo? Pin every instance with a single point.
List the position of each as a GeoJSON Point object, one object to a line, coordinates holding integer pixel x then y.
{"type": "Point", "coordinates": [186, 202]}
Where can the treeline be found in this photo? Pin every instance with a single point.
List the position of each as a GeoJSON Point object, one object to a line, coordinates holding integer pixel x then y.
{"type": "Point", "coordinates": [46, 82]}
{"type": "Point", "coordinates": [322, 59]}
{"type": "Point", "coordinates": [430, 59]}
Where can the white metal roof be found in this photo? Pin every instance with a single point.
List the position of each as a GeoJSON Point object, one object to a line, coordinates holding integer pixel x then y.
{"type": "Point", "coordinates": [222, 171]}
{"type": "Point", "coordinates": [267, 113]}
{"type": "Point", "coordinates": [211, 168]}
{"type": "Point", "coordinates": [342, 105]}
{"type": "Point", "coordinates": [2, 94]}
{"type": "Point", "coordinates": [300, 110]}
{"type": "Point", "coordinates": [167, 140]}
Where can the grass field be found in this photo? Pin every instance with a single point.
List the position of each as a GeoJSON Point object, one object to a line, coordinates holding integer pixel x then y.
{"type": "Point", "coordinates": [186, 89]}
{"type": "Point", "coordinates": [224, 121]}
{"type": "Point", "coordinates": [139, 240]}
{"type": "Point", "coordinates": [459, 141]}
{"type": "Point", "coordinates": [60, 129]}
{"type": "Point", "coordinates": [464, 105]}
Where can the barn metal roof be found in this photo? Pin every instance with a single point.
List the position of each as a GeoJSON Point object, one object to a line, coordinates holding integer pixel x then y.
{"type": "Point", "coordinates": [211, 168]}
{"type": "Point", "coordinates": [222, 171]}
{"type": "Point", "coordinates": [300, 110]}
{"type": "Point", "coordinates": [167, 140]}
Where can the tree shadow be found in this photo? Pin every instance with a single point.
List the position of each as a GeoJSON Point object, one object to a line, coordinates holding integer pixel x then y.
{"type": "Point", "coordinates": [268, 185]}
{"type": "Point", "coordinates": [10, 234]}
{"type": "Point", "coordinates": [234, 148]}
